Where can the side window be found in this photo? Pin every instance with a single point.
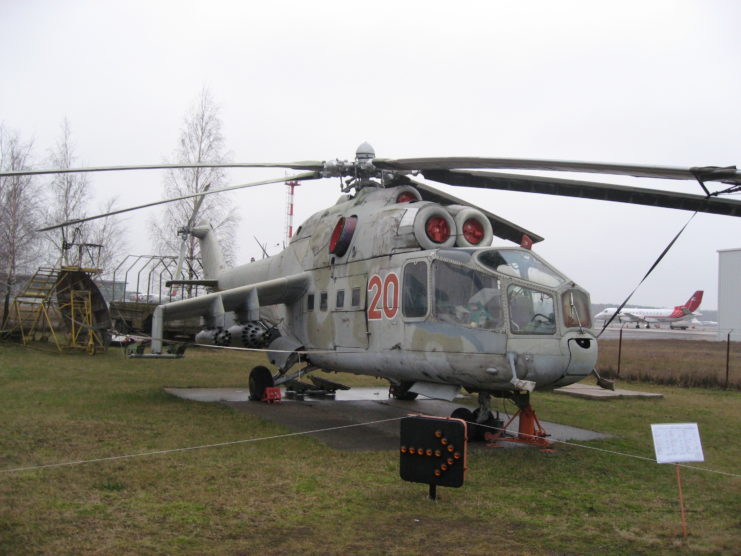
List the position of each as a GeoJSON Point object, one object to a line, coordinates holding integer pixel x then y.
{"type": "Point", "coordinates": [310, 302]}
{"type": "Point", "coordinates": [355, 297]}
{"type": "Point", "coordinates": [414, 290]}
{"type": "Point", "coordinates": [530, 311]}
{"type": "Point", "coordinates": [340, 301]}
{"type": "Point", "coordinates": [323, 301]}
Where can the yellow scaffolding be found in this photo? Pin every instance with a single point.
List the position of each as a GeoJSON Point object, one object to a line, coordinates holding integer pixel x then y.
{"type": "Point", "coordinates": [57, 304]}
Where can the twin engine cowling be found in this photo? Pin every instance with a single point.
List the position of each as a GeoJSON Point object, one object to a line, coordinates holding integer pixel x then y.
{"type": "Point", "coordinates": [455, 225]}
{"type": "Point", "coordinates": [251, 334]}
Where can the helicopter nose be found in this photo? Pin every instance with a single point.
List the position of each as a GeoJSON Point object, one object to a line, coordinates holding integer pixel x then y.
{"type": "Point", "coordinates": [582, 355]}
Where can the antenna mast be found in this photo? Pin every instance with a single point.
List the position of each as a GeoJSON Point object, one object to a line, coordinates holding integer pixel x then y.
{"type": "Point", "coordinates": [290, 186]}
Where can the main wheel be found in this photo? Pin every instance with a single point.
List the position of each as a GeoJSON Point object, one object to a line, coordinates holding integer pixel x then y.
{"type": "Point", "coordinates": [260, 378]}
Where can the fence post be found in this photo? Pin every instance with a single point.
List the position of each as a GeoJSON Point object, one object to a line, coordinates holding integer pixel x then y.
{"type": "Point", "coordinates": [620, 350]}
{"type": "Point", "coordinates": [728, 357]}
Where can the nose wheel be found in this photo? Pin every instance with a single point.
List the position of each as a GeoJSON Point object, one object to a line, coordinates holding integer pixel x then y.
{"type": "Point", "coordinates": [481, 420]}
{"type": "Point", "coordinates": [485, 425]}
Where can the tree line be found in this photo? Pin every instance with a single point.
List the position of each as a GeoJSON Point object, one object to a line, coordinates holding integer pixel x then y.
{"type": "Point", "coordinates": [28, 203]}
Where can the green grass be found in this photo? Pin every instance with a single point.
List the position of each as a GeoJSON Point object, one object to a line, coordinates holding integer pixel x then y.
{"type": "Point", "coordinates": [293, 495]}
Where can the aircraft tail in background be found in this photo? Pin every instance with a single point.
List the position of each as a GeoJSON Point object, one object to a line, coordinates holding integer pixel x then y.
{"type": "Point", "coordinates": [694, 302]}
{"type": "Point", "coordinates": [690, 307]}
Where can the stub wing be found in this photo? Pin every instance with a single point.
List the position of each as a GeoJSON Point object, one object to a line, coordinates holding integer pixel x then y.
{"type": "Point", "coordinates": [245, 301]}
{"type": "Point", "coordinates": [271, 292]}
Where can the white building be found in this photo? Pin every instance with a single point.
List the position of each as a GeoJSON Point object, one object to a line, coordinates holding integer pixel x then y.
{"type": "Point", "coordinates": [729, 294]}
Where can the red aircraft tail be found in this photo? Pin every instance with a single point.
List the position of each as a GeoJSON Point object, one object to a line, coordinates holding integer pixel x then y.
{"type": "Point", "coordinates": [694, 302]}
{"type": "Point", "coordinates": [690, 307]}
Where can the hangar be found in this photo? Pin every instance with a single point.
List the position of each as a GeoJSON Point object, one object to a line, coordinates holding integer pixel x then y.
{"type": "Point", "coordinates": [729, 294]}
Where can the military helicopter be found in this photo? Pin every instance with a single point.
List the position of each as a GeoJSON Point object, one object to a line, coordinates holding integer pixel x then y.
{"type": "Point", "coordinates": [400, 280]}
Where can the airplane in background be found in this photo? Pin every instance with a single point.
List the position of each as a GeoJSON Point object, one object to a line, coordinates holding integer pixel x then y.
{"type": "Point", "coordinates": [677, 317]}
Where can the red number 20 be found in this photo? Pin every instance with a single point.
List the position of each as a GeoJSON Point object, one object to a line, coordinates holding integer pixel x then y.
{"type": "Point", "coordinates": [384, 296]}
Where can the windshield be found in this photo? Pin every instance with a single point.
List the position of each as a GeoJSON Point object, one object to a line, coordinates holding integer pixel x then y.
{"type": "Point", "coordinates": [576, 309]}
{"type": "Point", "coordinates": [530, 311]}
{"type": "Point", "coordinates": [465, 296]}
{"type": "Point", "coordinates": [521, 264]}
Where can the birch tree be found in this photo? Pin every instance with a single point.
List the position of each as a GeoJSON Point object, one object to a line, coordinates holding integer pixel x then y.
{"type": "Point", "coordinates": [70, 198]}
{"type": "Point", "coordinates": [19, 215]}
{"type": "Point", "coordinates": [201, 140]}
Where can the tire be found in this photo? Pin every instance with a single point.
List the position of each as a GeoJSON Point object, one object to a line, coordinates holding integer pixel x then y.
{"type": "Point", "coordinates": [462, 413]}
{"type": "Point", "coordinates": [476, 430]}
{"type": "Point", "coordinates": [260, 378]}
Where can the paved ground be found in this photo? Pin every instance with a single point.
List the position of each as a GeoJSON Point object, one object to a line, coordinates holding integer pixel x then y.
{"type": "Point", "coordinates": [358, 419]}
{"type": "Point", "coordinates": [593, 392]}
{"type": "Point", "coordinates": [665, 333]}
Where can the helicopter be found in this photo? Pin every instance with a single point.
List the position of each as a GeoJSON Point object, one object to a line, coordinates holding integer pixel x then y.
{"type": "Point", "coordinates": [401, 281]}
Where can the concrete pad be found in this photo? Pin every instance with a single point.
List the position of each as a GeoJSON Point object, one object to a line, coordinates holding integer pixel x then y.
{"type": "Point", "coordinates": [593, 392]}
{"type": "Point", "coordinates": [358, 419]}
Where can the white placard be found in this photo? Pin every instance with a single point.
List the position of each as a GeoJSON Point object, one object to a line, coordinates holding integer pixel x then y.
{"type": "Point", "coordinates": [677, 443]}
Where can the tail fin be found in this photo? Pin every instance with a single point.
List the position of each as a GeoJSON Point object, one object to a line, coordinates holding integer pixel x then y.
{"type": "Point", "coordinates": [211, 256]}
{"type": "Point", "coordinates": [694, 302]}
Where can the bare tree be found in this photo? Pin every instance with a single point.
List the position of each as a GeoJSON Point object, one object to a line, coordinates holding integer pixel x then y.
{"type": "Point", "coordinates": [201, 140]}
{"type": "Point", "coordinates": [108, 233]}
{"type": "Point", "coordinates": [18, 215]}
{"type": "Point", "coordinates": [86, 243]}
{"type": "Point", "coordinates": [69, 196]}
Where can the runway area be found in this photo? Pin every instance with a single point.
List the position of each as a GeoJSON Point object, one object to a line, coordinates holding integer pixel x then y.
{"type": "Point", "coordinates": [665, 333]}
{"type": "Point", "coordinates": [358, 419]}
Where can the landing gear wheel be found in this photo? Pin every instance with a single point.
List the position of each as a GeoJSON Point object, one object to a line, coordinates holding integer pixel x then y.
{"type": "Point", "coordinates": [478, 429]}
{"type": "Point", "coordinates": [401, 391]}
{"type": "Point", "coordinates": [462, 413]}
{"type": "Point", "coordinates": [260, 378]}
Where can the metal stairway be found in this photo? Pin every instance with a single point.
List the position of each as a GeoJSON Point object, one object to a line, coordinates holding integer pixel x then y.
{"type": "Point", "coordinates": [62, 304]}
{"type": "Point", "coordinates": [33, 309]}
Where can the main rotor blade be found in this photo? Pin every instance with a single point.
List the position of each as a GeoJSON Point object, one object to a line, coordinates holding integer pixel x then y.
{"type": "Point", "coordinates": [501, 227]}
{"type": "Point", "coordinates": [303, 165]}
{"type": "Point", "coordinates": [705, 173]}
{"type": "Point", "coordinates": [588, 190]}
{"type": "Point", "coordinates": [296, 177]}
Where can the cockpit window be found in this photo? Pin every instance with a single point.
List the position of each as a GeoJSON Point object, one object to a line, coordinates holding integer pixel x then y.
{"type": "Point", "coordinates": [576, 309]}
{"type": "Point", "coordinates": [465, 296]}
{"type": "Point", "coordinates": [414, 300]}
{"type": "Point", "coordinates": [521, 264]}
{"type": "Point", "coordinates": [530, 311]}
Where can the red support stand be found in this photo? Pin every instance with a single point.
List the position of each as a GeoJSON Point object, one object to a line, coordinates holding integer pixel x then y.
{"type": "Point", "coordinates": [530, 431]}
{"type": "Point", "coordinates": [271, 395]}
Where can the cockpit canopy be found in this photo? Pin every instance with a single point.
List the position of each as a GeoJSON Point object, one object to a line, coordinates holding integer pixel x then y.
{"type": "Point", "coordinates": [494, 289]}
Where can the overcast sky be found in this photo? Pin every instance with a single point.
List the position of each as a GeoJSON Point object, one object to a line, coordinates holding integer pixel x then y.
{"type": "Point", "coordinates": [635, 82]}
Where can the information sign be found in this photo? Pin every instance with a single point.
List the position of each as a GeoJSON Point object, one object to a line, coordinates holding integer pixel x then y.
{"type": "Point", "coordinates": [677, 443]}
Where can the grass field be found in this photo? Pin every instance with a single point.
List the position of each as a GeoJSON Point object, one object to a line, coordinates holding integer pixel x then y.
{"type": "Point", "coordinates": [673, 362]}
{"type": "Point", "coordinates": [291, 495]}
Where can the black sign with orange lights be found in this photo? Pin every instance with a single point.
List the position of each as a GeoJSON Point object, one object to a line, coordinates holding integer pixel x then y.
{"type": "Point", "coordinates": [433, 450]}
